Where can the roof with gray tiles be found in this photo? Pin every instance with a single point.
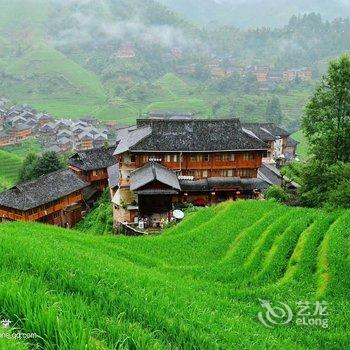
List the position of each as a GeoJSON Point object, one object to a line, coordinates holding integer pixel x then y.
{"type": "Point", "coordinates": [45, 189]}
{"type": "Point", "coordinates": [153, 171]}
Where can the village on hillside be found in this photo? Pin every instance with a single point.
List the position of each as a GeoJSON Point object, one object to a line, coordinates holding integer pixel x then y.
{"type": "Point", "coordinates": [151, 170]}
{"type": "Point", "coordinates": [22, 122]}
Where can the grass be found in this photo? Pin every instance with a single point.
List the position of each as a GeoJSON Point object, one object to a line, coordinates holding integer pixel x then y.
{"type": "Point", "coordinates": [22, 149]}
{"type": "Point", "coordinates": [303, 148]}
{"type": "Point", "coordinates": [197, 286]}
{"type": "Point", "coordinates": [10, 165]}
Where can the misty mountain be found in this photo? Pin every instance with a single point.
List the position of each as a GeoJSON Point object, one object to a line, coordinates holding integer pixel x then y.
{"type": "Point", "coordinates": [255, 13]}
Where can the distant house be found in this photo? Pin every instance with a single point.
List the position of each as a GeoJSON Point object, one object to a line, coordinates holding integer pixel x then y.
{"type": "Point", "coordinates": [56, 199]}
{"type": "Point", "coordinates": [21, 132]}
{"type": "Point", "coordinates": [16, 120]}
{"type": "Point", "coordinates": [126, 52]}
{"type": "Point", "coordinates": [275, 137]}
{"type": "Point", "coordinates": [65, 143]}
{"type": "Point", "coordinates": [62, 124]}
{"type": "Point", "coordinates": [48, 128]}
{"type": "Point", "coordinates": [100, 140]}
{"type": "Point", "coordinates": [91, 165]}
{"type": "Point", "coordinates": [44, 119]}
{"type": "Point", "coordinates": [78, 129]}
{"type": "Point", "coordinates": [261, 72]}
{"type": "Point", "coordinates": [90, 120]}
{"type": "Point", "coordinates": [272, 175]}
{"type": "Point", "coordinates": [305, 74]}
{"type": "Point", "coordinates": [217, 73]}
{"type": "Point", "coordinates": [86, 141]}
{"type": "Point", "coordinates": [290, 149]}
{"type": "Point", "coordinates": [5, 139]}
{"type": "Point", "coordinates": [64, 133]}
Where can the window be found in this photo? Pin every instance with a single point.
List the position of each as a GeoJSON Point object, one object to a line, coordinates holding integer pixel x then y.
{"type": "Point", "coordinates": [226, 156]}
{"type": "Point", "coordinates": [218, 157]}
{"type": "Point", "coordinates": [246, 173]}
{"type": "Point", "coordinates": [230, 173]}
{"type": "Point", "coordinates": [168, 158]}
{"type": "Point", "coordinates": [206, 157]}
{"type": "Point", "coordinates": [193, 157]}
{"type": "Point", "coordinates": [232, 157]}
{"type": "Point", "coordinates": [132, 158]}
{"type": "Point", "coordinates": [175, 158]}
{"type": "Point", "coordinates": [205, 173]}
{"type": "Point", "coordinates": [248, 156]}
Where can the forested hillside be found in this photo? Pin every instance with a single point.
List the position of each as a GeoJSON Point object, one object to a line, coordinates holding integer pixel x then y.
{"type": "Point", "coordinates": [255, 13]}
{"type": "Point", "coordinates": [117, 59]}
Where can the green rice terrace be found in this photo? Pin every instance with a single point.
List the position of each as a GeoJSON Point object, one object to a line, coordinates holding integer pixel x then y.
{"type": "Point", "coordinates": [199, 285]}
{"type": "Point", "coordinates": [10, 165]}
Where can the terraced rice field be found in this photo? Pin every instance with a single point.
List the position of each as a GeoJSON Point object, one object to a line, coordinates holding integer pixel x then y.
{"type": "Point", "coordinates": [10, 165]}
{"type": "Point", "coordinates": [197, 286]}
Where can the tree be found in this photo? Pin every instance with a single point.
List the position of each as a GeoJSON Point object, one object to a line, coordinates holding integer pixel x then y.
{"type": "Point", "coordinates": [327, 119]}
{"type": "Point", "coordinates": [322, 183]}
{"type": "Point", "coordinates": [26, 172]}
{"type": "Point", "coordinates": [274, 111]}
{"type": "Point", "coordinates": [250, 84]}
{"type": "Point", "coordinates": [277, 193]}
{"type": "Point", "coordinates": [46, 164]}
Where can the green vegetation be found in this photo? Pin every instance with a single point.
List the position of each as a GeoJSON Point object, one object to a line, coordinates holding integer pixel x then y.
{"type": "Point", "coordinates": [197, 286]}
{"type": "Point", "coordinates": [35, 166]}
{"type": "Point", "coordinates": [22, 149]}
{"type": "Point", "coordinates": [277, 193]}
{"type": "Point", "coordinates": [10, 165]}
{"type": "Point", "coordinates": [325, 178]}
{"type": "Point", "coordinates": [274, 111]}
{"type": "Point", "coordinates": [303, 148]}
{"type": "Point", "coordinates": [100, 220]}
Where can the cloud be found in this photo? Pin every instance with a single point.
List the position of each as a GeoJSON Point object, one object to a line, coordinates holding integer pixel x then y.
{"type": "Point", "coordinates": [85, 25]}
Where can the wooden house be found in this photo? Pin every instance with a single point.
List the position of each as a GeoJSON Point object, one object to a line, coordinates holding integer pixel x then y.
{"type": "Point", "coordinates": [5, 139]}
{"type": "Point", "coordinates": [91, 165]}
{"type": "Point", "coordinates": [304, 74]}
{"type": "Point", "coordinates": [276, 138]}
{"type": "Point", "coordinates": [21, 132]}
{"type": "Point", "coordinates": [56, 199]}
{"type": "Point", "coordinates": [165, 163]}
{"type": "Point", "coordinates": [86, 141]}
{"type": "Point", "coordinates": [44, 119]}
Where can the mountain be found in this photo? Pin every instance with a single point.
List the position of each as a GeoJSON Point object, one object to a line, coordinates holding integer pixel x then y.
{"type": "Point", "coordinates": [199, 285]}
{"type": "Point", "coordinates": [255, 13]}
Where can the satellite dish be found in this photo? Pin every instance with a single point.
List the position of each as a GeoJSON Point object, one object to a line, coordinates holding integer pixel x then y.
{"type": "Point", "coordinates": [178, 214]}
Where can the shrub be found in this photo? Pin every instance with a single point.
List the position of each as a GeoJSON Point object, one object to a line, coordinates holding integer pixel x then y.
{"type": "Point", "coordinates": [277, 193]}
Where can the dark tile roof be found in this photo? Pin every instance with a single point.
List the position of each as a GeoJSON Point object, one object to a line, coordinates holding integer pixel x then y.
{"type": "Point", "coordinates": [270, 174]}
{"type": "Point", "coordinates": [113, 175]}
{"type": "Point", "coordinates": [131, 137]}
{"type": "Point", "coordinates": [153, 172]}
{"type": "Point", "coordinates": [21, 127]}
{"type": "Point", "coordinates": [213, 183]}
{"type": "Point", "coordinates": [266, 131]}
{"type": "Point", "coordinates": [199, 135]}
{"type": "Point", "coordinates": [43, 190]}
{"type": "Point", "coordinates": [291, 142]}
{"type": "Point", "coordinates": [93, 159]}
{"type": "Point", "coordinates": [3, 135]}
